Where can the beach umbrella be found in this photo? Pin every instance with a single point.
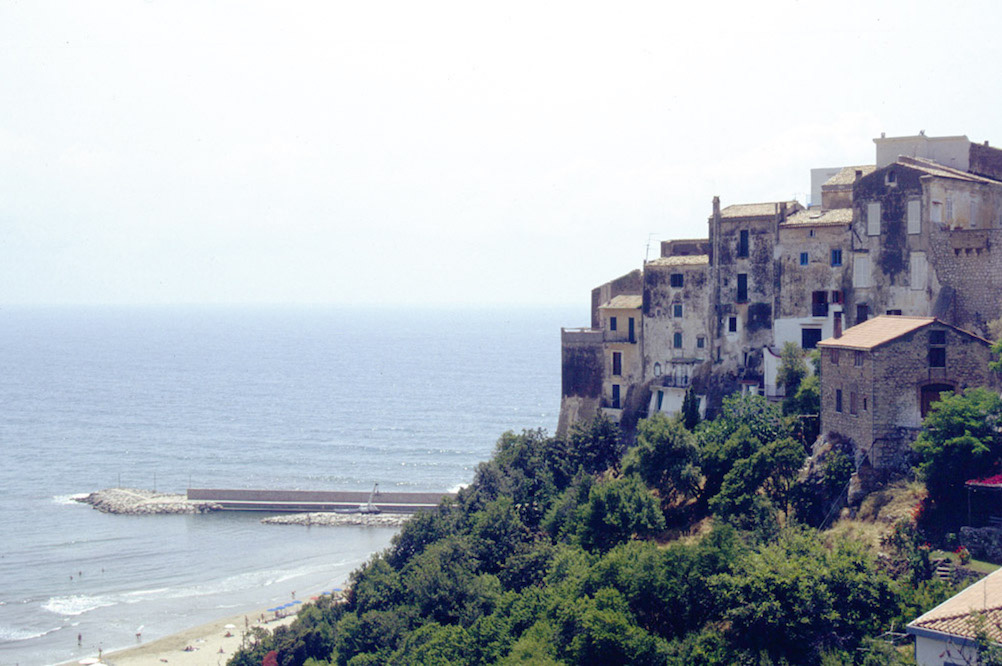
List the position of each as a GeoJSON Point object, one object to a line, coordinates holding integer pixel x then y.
{"type": "Point", "coordinates": [293, 603]}
{"type": "Point", "coordinates": [272, 610]}
{"type": "Point", "coordinates": [229, 626]}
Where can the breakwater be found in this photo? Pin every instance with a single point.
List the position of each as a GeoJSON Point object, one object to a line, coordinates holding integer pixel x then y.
{"type": "Point", "coordinates": [313, 501]}
{"type": "Point", "coordinates": [138, 502]}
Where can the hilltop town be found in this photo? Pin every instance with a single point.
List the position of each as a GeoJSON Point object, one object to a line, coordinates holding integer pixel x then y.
{"type": "Point", "coordinates": [893, 269]}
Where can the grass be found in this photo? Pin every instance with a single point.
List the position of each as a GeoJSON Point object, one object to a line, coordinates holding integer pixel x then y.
{"type": "Point", "coordinates": [975, 565]}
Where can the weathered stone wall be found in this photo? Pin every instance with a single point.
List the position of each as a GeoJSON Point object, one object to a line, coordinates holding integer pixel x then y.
{"type": "Point", "coordinates": [986, 161]}
{"type": "Point", "coordinates": [629, 284]}
{"type": "Point", "coordinates": [755, 313]}
{"type": "Point", "coordinates": [660, 322]}
{"type": "Point", "coordinates": [849, 378]}
{"type": "Point", "coordinates": [797, 283]}
{"type": "Point", "coordinates": [891, 380]}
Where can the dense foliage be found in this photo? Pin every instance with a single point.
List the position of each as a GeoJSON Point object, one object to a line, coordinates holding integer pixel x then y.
{"type": "Point", "coordinates": [557, 554]}
{"type": "Point", "coordinates": [960, 441]}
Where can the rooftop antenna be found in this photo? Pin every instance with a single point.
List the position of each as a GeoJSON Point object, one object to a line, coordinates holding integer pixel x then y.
{"type": "Point", "coordinates": [647, 251]}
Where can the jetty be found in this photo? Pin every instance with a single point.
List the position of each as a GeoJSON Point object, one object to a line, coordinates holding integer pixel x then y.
{"type": "Point", "coordinates": [314, 501]}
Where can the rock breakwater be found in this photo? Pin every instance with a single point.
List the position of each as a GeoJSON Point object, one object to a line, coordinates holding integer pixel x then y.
{"type": "Point", "coordinates": [340, 519]}
{"type": "Point", "coordinates": [137, 502]}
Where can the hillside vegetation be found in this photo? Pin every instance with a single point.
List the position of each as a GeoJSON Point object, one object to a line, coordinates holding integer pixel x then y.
{"type": "Point", "coordinates": [687, 547]}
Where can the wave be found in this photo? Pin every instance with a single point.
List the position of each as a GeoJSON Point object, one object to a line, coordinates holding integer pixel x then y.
{"type": "Point", "coordinates": [68, 499]}
{"type": "Point", "coordinates": [77, 604]}
{"type": "Point", "coordinates": [8, 633]}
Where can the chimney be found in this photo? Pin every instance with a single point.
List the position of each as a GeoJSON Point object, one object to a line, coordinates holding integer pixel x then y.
{"type": "Point", "coordinates": [838, 325]}
{"type": "Point", "coordinates": [859, 174]}
{"type": "Point", "coordinates": [716, 206]}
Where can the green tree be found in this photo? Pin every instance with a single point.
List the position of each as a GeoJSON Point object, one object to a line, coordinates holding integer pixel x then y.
{"type": "Point", "coordinates": [744, 423]}
{"type": "Point", "coordinates": [665, 457]}
{"type": "Point", "coordinates": [797, 597]}
{"type": "Point", "coordinates": [690, 410]}
{"type": "Point", "coordinates": [617, 511]}
{"type": "Point", "coordinates": [960, 441]}
{"type": "Point", "coordinates": [596, 445]}
{"type": "Point", "coordinates": [792, 368]}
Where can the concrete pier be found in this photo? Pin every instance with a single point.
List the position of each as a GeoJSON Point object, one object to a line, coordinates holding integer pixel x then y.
{"type": "Point", "coordinates": [304, 501]}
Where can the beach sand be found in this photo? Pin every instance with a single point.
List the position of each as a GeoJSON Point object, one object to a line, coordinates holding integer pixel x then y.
{"type": "Point", "coordinates": [207, 639]}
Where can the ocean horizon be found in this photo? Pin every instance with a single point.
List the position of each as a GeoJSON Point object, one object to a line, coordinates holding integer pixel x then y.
{"type": "Point", "coordinates": [304, 397]}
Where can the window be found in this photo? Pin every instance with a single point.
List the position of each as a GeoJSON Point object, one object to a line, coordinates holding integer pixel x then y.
{"type": "Point", "coordinates": [810, 337]}
{"type": "Point", "coordinates": [657, 369]}
{"type": "Point", "coordinates": [700, 342]}
{"type": "Point", "coordinates": [804, 258]}
{"type": "Point", "coordinates": [891, 178]}
{"type": "Point", "coordinates": [937, 349]}
{"type": "Point", "coordinates": [858, 359]}
{"type": "Point", "coordinates": [612, 323]}
{"type": "Point", "coordinates": [837, 257]}
{"type": "Point", "coordinates": [732, 324]}
{"type": "Point", "coordinates": [915, 216]}
{"type": "Point", "coordinates": [810, 233]}
{"type": "Point", "coordinates": [894, 312]}
{"type": "Point", "coordinates": [864, 403]}
{"type": "Point", "coordinates": [661, 397]}
{"type": "Point", "coordinates": [676, 341]}
{"type": "Point", "coordinates": [742, 287]}
{"type": "Point", "coordinates": [677, 281]}
{"type": "Point", "coordinates": [615, 396]}
{"type": "Point", "coordinates": [837, 298]}
{"type": "Point", "coordinates": [852, 402]}
{"type": "Point", "coordinates": [617, 363]}
{"type": "Point", "coordinates": [873, 218]}
{"type": "Point", "coordinates": [743, 243]}
{"type": "Point", "coordinates": [861, 271]}
{"type": "Point", "coordinates": [833, 356]}
{"type": "Point", "coordinates": [676, 310]}
{"type": "Point", "coordinates": [838, 400]}
{"type": "Point", "coordinates": [819, 304]}
{"type": "Point", "coordinates": [862, 313]}
{"type": "Point", "coordinates": [633, 331]}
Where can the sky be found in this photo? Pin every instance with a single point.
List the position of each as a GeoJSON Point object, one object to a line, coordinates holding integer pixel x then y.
{"type": "Point", "coordinates": [429, 153]}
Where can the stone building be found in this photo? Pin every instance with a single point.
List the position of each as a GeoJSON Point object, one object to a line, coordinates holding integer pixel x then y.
{"type": "Point", "coordinates": [917, 234]}
{"type": "Point", "coordinates": [879, 377]}
{"type": "Point", "coordinates": [677, 321]}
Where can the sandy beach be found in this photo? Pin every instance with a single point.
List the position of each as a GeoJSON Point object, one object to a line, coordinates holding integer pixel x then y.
{"type": "Point", "coordinates": [209, 641]}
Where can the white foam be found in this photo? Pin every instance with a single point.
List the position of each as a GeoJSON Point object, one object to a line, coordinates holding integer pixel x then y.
{"type": "Point", "coordinates": [68, 499]}
{"type": "Point", "coordinates": [77, 604]}
{"type": "Point", "coordinates": [8, 633]}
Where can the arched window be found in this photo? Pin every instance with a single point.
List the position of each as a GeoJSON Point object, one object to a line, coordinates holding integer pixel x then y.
{"type": "Point", "coordinates": [657, 369]}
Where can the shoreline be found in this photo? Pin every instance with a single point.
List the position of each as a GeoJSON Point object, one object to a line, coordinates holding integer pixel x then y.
{"type": "Point", "coordinates": [206, 640]}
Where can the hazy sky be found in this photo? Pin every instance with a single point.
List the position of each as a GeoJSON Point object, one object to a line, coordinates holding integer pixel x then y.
{"type": "Point", "coordinates": [421, 152]}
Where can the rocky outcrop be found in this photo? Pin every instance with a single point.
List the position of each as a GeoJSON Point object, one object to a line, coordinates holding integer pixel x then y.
{"type": "Point", "coordinates": [136, 502]}
{"type": "Point", "coordinates": [340, 519]}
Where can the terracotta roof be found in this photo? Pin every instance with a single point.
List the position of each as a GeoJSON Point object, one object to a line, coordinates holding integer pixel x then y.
{"type": "Point", "coordinates": [681, 260]}
{"type": "Point", "coordinates": [954, 616]}
{"type": "Point", "coordinates": [624, 302]}
{"type": "Point", "coordinates": [877, 331]}
{"type": "Point", "coordinates": [936, 169]}
{"type": "Point", "coordinates": [819, 218]}
{"type": "Point", "coordinates": [767, 209]}
{"type": "Point", "coordinates": [847, 176]}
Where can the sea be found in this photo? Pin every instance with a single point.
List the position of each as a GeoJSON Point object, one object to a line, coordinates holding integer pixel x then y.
{"type": "Point", "coordinates": [285, 397]}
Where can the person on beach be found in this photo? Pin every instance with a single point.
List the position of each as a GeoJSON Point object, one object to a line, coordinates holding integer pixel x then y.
{"type": "Point", "coordinates": [79, 639]}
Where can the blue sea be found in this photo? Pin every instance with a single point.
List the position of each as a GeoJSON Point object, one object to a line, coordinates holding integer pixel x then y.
{"type": "Point", "coordinates": [331, 398]}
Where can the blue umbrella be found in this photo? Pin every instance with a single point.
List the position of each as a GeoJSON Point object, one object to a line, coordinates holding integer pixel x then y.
{"type": "Point", "coordinates": [293, 603]}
